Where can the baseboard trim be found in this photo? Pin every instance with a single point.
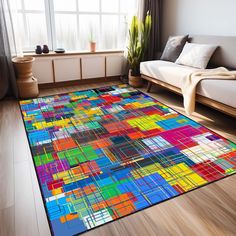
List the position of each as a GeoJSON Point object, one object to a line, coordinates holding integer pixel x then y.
{"type": "Point", "coordinates": [79, 82]}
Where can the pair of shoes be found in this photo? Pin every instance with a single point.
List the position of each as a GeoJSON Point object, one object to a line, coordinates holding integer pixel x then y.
{"type": "Point", "coordinates": [40, 50]}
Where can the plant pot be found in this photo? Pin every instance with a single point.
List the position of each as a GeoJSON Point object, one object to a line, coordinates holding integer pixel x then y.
{"type": "Point", "coordinates": [92, 46]}
{"type": "Point", "coordinates": [27, 84]}
{"type": "Point", "coordinates": [135, 81]}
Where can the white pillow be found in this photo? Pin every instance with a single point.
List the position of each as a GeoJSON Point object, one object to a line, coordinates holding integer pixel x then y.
{"type": "Point", "coordinates": [196, 55]}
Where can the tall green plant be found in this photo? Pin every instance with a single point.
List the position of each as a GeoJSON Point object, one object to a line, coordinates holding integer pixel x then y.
{"type": "Point", "coordinates": [139, 34]}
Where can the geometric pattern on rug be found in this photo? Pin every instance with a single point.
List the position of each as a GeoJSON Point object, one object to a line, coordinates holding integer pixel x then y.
{"type": "Point", "coordinates": [105, 153]}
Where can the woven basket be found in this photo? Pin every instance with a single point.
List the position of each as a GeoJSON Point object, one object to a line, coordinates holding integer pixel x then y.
{"type": "Point", "coordinates": [28, 89]}
{"type": "Point", "coordinates": [27, 84]}
{"type": "Point", "coordinates": [135, 81]}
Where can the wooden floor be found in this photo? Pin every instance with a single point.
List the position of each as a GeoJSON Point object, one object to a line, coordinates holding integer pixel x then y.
{"type": "Point", "coordinates": [210, 210]}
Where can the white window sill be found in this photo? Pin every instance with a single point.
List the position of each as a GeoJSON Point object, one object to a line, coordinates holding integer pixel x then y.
{"type": "Point", "coordinates": [52, 53]}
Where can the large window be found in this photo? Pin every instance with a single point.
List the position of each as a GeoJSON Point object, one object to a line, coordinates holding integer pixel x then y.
{"type": "Point", "coordinates": [71, 24]}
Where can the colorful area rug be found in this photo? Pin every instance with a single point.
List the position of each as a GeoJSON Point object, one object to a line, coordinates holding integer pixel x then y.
{"type": "Point", "coordinates": [105, 153]}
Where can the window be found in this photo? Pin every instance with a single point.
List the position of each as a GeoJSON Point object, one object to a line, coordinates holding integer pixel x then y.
{"type": "Point", "coordinates": [32, 23]}
{"type": "Point", "coordinates": [71, 24]}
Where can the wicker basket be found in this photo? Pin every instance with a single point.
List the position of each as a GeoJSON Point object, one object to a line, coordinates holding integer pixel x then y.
{"type": "Point", "coordinates": [135, 81]}
{"type": "Point", "coordinates": [28, 88]}
{"type": "Point", "coordinates": [27, 84]}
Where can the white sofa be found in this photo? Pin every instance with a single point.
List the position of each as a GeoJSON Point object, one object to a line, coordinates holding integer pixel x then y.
{"type": "Point", "coordinates": [219, 94]}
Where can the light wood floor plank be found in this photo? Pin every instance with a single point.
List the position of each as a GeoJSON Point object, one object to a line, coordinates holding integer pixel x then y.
{"type": "Point", "coordinates": [25, 211]}
{"type": "Point", "coordinates": [6, 156]}
{"type": "Point", "coordinates": [7, 222]}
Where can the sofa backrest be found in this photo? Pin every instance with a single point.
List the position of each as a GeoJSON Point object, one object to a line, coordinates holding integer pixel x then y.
{"type": "Point", "coordinates": [225, 54]}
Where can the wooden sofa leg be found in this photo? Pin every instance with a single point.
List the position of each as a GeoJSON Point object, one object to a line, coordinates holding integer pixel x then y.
{"type": "Point", "coordinates": [149, 86]}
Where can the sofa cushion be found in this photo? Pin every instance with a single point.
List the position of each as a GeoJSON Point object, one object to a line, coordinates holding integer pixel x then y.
{"type": "Point", "coordinates": [165, 71]}
{"type": "Point", "coordinates": [223, 91]}
{"type": "Point", "coordinates": [196, 55]}
{"type": "Point", "coordinates": [174, 47]}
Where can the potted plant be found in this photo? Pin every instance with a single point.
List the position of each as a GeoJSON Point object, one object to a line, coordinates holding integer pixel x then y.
{"type": "Point", "coordinates": [92, 42]}
{"type": "Point", "coordinates": [139, 34]}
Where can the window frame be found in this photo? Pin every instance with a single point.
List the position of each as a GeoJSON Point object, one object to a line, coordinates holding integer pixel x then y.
{"type": "Point", "coordinates": [50, 14]}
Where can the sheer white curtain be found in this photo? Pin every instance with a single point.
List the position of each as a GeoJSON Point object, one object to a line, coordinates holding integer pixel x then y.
{"type": "Point", "coordinates": [13, 29]}
{"type": "Point", "coordinates": [138, 11]}
{"type": "Point", "coordinates": [7, 42]}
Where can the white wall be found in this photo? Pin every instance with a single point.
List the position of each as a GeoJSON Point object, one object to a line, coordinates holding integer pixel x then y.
{"type": "Point", "coordinates": [199, 17]}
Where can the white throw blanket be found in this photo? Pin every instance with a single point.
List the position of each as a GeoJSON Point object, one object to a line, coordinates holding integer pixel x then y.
{"type": "Point", "coordinates": [191, 81]}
